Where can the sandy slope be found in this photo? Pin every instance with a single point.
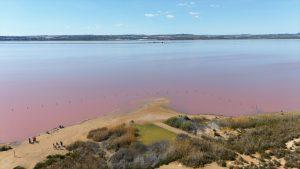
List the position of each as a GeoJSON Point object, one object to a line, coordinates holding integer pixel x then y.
{"type": "Point", "coordinates": [28, 155]}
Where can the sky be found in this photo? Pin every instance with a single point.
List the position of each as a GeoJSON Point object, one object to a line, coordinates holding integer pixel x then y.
{"type": "Point", "coordinates": [71, 17]}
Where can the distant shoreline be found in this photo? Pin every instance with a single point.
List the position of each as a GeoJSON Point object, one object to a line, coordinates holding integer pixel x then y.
{"type": "Point", "coordinates": [155, 38]}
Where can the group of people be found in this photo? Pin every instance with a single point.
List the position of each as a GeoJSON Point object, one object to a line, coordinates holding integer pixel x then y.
{"type": "Point", "coordinates": [58, 146]}
{"type": "Point", "coordinates": [55, 129]}
{"type": "Point", "coordinates": [32, 140]}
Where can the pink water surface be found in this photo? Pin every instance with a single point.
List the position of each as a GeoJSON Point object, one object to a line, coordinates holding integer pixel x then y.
{"type": "Point", "coordinates": [43, 85]}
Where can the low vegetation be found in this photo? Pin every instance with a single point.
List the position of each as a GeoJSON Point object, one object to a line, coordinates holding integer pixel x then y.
{"type": "Point", "coordinates": [139, 155]}
{"type": "Point", "coordinates": [258, 121]}
{"type": "Point", "coordinates": [292, 158]}
{"type": "Point", "coordinates": [115, 137]}
{"type": "Point", "coordinates": [19, 167]}
{"type": "Point", "coordinates": [124, 152]}
{"type": "Point", "coordinates": [194, 152]}
{"type": "Point", "coordinates": [185, 123]}
{"type": "Point", "coordinates": [82, 155]}
{"type": "Point", "coordinates": [266, 135]}
{"type": "Point", "coordinates": [148, 146]}
{"type": "Point", "coordinates": [5, 148]}
{"type": "Point", "coordinates": [150, 133]}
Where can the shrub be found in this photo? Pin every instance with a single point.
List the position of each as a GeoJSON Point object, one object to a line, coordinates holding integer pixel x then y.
{"type": "Point", "coordinates": [297, 143]}
{"type": "Point", "coordinates": [82, 155]}
{"type": "Point", "coordinates": [5, 148]}
{"type": "Point", "coordinates": [122, 141]}
{"type": "Point", "coordinates": [196, 159]}
{"type": "Point", "coordinates": [99, 135]}
{"type": "Point", "coordinates": [292, 160]}
{"type": "Point", "coordinates": [81, 148]}
{"type": "Point", "coordinates": [185, 123]}
{"type": "Point", "coordinates": [123, 158]}
{"type": "Point", "coordinates": [19, 167]}
{"type": "Point", "coordinates": [194, 152]}
{"type": "Point", "coordinates": [222, 163]}
{"type": "Point", "coordinates": [182, 137]}
{"type": "Point", "coordinates": [88, 161]}
{"type": "Point", "coordinates": [256, 121]}
{"type": "Point", "coordinates": [140, 156]}
{"type": "Point", "coordinates": [265, 137]}
{"type": "Point", "coordinates": [49, 161]}
{"type": "Point", "coordinates": [279, 153]}
{"type": "Point", "coordinates": [115, 137]}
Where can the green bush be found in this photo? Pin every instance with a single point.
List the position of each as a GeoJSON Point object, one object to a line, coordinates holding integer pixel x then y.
{"type": "Point", "coordinates": [186, 124]}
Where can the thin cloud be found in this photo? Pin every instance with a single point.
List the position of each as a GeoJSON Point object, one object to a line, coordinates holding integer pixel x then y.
{"type": "Point", "coordinates": [214, 5]}
{"type": "Point", "coordinates": [182, 4]}
{"type": "Point", "coordinates": [186, 4]}
{"type": "Point", "coordinates": [151, 15]}
{"type": "Point", "coordinates": [119, 25]}
{"type": "Point", "coordinates": [195, 14]}
{"type": "Point", "coordinates": [169, 16]}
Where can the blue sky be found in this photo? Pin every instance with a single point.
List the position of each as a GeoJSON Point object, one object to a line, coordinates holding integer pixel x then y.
{"type": "Point", "coordinates": [55, 17]}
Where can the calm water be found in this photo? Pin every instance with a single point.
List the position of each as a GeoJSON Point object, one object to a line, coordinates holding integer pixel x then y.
{"type": "Point", "coordinates": [43, 85]}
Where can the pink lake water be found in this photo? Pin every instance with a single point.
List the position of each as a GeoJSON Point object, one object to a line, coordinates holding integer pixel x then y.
{"type": "Point", "coordinates": [43, 85]}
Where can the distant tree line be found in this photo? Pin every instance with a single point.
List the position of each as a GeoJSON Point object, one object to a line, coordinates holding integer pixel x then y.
{"type": "Point", "coordinates": [145, 37]}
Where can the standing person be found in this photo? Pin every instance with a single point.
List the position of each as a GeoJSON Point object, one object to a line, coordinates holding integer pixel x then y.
{"type": "Point", "coordinates": [29, 140]}
{"type": "Point", "coordinates": [34, 140]}
{"type": "Point", "coordinates": [54, 146]}
{"type": "Point", "coordinates": [57, 145]}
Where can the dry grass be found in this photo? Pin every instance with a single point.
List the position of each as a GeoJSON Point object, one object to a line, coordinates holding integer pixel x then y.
{"type": "Point", "coordinates": [99, 135]}
{"type": "Point", "coordinates": [194, 152]}
{"type": "Point", "coordinates": [115, 137]}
